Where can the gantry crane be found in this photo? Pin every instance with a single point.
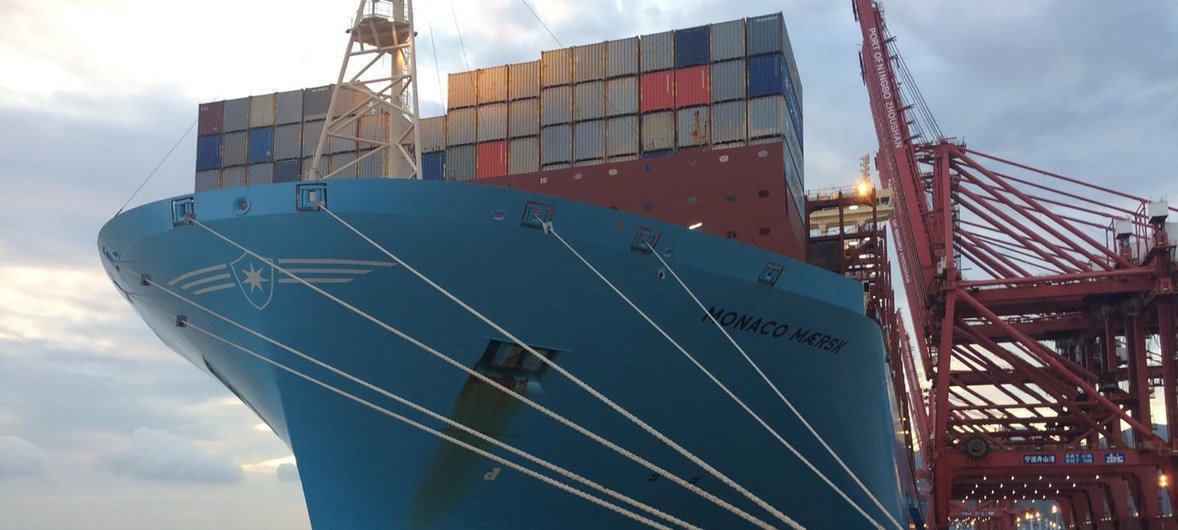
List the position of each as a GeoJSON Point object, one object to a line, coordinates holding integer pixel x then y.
{"type": "Point", "coordinates": [1043, 310]}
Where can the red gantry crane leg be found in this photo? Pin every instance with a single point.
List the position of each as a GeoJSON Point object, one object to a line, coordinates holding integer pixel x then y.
{"type": "Point", "coordinates": [1044, 317]}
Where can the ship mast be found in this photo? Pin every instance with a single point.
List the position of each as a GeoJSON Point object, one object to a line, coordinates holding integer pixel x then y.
{"type": "Point", "coordinates": [381, 34]}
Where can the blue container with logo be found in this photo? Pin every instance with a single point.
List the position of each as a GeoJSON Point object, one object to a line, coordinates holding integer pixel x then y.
{"type": "Point", "coordinates": [766, 75]}
{"type": "Point", "coordinates": [208, 152]}
{"type": "Point", "coordinates": [261, 145]}
{"type": "Point", "coordinates": [433, 166]}
{"type": "Point", "coordinates": [692, 47]}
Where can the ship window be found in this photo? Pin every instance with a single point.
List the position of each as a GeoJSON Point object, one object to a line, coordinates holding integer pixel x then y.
{"type": "Point", "coordinates": [507, 359]}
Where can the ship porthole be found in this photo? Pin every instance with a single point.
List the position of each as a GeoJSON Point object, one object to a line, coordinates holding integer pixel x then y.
{"type": "Point", "coordinates": [730, 197]}
{"type": "Point", "coordinates": [763, 193]}
{"type": "Point", "coordinates": [763, 231]}
{"type": "Point", "coordinates": [692, 200]}
{"type": "Point", "coordinates": [241, 206]}
{"type": "Point", "coordinates": [723, 158]}
{"type": "Point", "coordinates": [497, 215]}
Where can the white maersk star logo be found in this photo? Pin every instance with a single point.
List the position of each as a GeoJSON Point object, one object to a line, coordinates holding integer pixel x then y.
{"type": "Point", "coordinates": [256, 279]}
{"type": "Point", "coordinates": [254, 276]}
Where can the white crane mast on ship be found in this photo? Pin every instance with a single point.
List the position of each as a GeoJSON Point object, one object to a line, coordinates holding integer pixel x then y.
{"type": "Point", "coordinates": [381, 33]}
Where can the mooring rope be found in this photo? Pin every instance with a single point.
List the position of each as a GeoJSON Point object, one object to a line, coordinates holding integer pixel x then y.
{"type": "Point", "coordinates": [417, 407]}
{"type": "Point", "coordinates": [576, 380]}
{"type": "Point", "coordinates": [854, 476]}
{"type": "Point", "coordinates": [534, 405]}
{"type": "Point", "coordinates": [548, 228]}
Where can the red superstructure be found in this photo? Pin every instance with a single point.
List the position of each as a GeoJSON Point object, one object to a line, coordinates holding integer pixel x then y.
{"type": "Point", "coordinates": [1044, 314]}
{"type": "Point", "coordinates": [737, 193]}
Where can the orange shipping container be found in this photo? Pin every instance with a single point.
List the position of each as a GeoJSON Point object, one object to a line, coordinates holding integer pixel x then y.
{"type": "Point", "coordinates": [658, 91]}
{"type": "Point", "coordinates": [491, 159]}
{"type": "Point", "coordinates": [692, 86]}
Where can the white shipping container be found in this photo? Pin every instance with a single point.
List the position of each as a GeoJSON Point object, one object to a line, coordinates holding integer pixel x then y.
{"type": "Point", "coordinates": [767, 117]}
{"type": "Point", "coordinates": [589, 62]}
{"type": "Point", "coordinates": [460, 126]}
{"type": "Point", "coordinates": [658, 131]}
{"type": "Point", "coordinates": [621, 136]}
{"type": "Point", "coordinates": [492, 84]}
{"type": "Point", "coordinates": [524, 80]}
{"type": "Point", "coordinates": [236, 116]}
{"type": "Point", "coordinates": [492, 122]}
{"type": "Point", "coordinates": [374, 128]}
{"type": "Point", "coordinates": [621, 96]}
{"type": "Point", "coordinates": [208, 179]}
{"type": "Point", "coordinates": [311, 132]}
{"type": "Point", "coordinates": [556, 67]}
{"type": "Point", "coordinates": [288, 141]}
{"type": "Point", "coordinates": [555, 144]}
{"type": "Point", "coordinates": [460, 163]}
{"type": "Point", "coordinates": [371, 166]}
{"type": "Point", "coordinates": [259, 174]}
{"type": "Point", "coordinates": [588, 100]}
{"type": "Point", "coordinates": [727, 40]}
{"type": "Point", "coordinates": [621, 57]}
{"type": "Point", "coordinates": [693, 126]}
{"type": "Point", "coordinates": [233, 177]}
{"type": "Point", "coordinates": [658, 51]}
{"type": "Point", "coordinates": [523, 155]}
{"type": "Point", "coordinates": [345, 163]}
{"type": "Point", "coordinates": [288, 107]}
{"type": "Point", "coordinates": [729, 122]}
{"type": "Point", "coordinates": [462, 91]}
{"type": "Point", "coordinates": [589, 141]}
{"type": "Point", "coordinates": [555, 105]}
{"type": "Point", "coordinates": [728, 80]}
{"type": "Point", "coordinates": [234, 148]}
{"type": "Point", "coordinates": [261, 110]}
{"type": "Point", "coordinates": [433, 134]}
{"type": "Point", "coordinates": [523, 118]}
{"type": "Point", "coordinates": [766, 34]}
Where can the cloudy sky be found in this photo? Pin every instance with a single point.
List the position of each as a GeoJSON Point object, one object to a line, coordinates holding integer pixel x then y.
{"type": "Point", "coordinates": [102, 428]}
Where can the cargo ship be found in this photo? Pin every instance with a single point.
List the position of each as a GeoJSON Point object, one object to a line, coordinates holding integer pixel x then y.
{"type": "Point", "coordinates": [590, 308]}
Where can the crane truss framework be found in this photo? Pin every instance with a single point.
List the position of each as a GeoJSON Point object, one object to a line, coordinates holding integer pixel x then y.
{"type": "Point", "coordinates": [374, 102]}
{"type": "Point", "coordinates": [1045, 320]}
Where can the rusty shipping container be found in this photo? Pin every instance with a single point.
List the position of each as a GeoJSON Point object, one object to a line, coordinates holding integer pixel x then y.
{"type": "Point", "coordinates": [658, 131]}
{"type": "Point", "coordinates": [692, 125]}
{"type": "Point", "coordinates": [460, 126]}
{"type": "Point", "coordinates": [433, 134]}
{"type": "Point", "coordinates": [491, 159]}
{"type": "Point", "coordinates": [621, 136]}
{"type": "Point", "coordinates": [460, 162]}
{"type": "Point", "coordinates": [210, 118]}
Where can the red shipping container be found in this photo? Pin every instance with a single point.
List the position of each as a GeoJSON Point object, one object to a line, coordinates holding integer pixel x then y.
{"type": "Point", "coordinates": [658, 91]}
{"type": "Point", "coordinates": [692, 86]}
{"type": "Point", "coordinates": [490, 159]}
{"type": "Point", "coordinates": [210, 117]}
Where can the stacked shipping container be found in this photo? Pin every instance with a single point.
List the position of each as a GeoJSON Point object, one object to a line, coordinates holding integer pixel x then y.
{"type": "Point", "coordinates": [272, 138]}
{"type": "Point", "coordinates": [723, 85]}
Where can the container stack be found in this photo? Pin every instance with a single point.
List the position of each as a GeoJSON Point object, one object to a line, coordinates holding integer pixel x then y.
{"type": "Point", "coordinates": [724, 85]}
{"type": "Point", "coordinates": [272, 138]}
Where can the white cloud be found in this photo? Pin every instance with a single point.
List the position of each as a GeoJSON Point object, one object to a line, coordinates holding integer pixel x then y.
{"type": "Point", "coordinates": [20, 458]}
{"type": "Point", "coordinates": [287, 472]}
{"type": "Point", "coordinates": [160, 455]}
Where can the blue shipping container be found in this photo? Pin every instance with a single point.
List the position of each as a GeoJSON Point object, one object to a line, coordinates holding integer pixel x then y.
{"type": "Point", "coordinates": [795, 110]}
{"type": "Point", "coordinates": [433, 166]}
{"type": "Point", "coordinates": [261, 146]}
{"type": "Point", "coordinates": [208, 152]}
{"type": "Point", "coordinates": [286, 170]}
{"type": "Point", "coordinates": [766, 75]}
{"type": "Point", "coordinates": [691, 47]}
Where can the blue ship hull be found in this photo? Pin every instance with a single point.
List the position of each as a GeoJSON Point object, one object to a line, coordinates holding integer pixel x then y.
{"type": "Point", "coordinates": [361, 469]}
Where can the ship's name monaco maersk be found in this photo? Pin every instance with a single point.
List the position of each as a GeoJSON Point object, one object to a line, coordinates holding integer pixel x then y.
{"type": "Point", "coordinates": [755, 324]}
